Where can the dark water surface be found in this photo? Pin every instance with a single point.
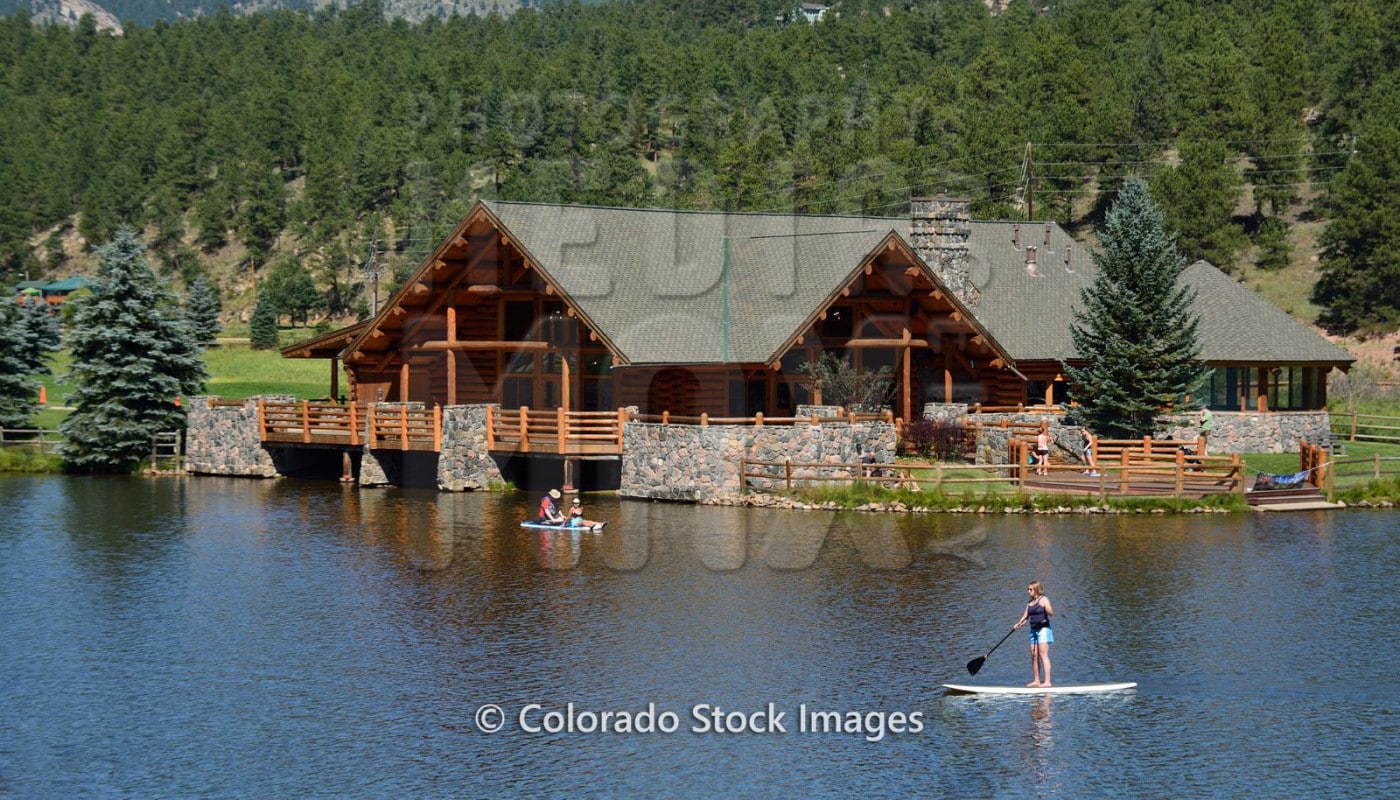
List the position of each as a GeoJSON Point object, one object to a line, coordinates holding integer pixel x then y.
{"type": "Point", "coordinates": [210, 637]}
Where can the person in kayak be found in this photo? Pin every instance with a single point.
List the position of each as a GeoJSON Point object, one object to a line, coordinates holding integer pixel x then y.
{"type": "Point", "coordinates": [549, 509]}
{"type": "Point", "coordinates": [1038, 612]}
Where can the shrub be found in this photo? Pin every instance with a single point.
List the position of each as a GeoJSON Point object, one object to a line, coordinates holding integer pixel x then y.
{"type": "Point", "coordinates": [940, 439]}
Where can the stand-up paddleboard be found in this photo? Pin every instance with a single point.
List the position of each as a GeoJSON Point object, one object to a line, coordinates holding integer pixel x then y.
{"type": "Point", "coordinates": [1068, 688]}
{"type": "Point", "coordinates": [539, 526]}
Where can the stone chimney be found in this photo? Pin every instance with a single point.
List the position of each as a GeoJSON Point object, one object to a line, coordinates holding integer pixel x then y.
{"type": "Point", "coordinates": [939, 228]}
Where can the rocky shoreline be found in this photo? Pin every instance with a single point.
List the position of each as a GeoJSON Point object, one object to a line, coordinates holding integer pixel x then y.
{"type": "Point", "coordinates": [894, 507]}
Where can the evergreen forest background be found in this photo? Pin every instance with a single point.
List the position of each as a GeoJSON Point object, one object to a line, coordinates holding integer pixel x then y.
{"type": "Point", "coordinates": [321, 147]}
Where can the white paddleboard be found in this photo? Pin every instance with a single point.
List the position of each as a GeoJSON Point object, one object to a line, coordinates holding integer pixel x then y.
{"type": "Point", "coordinates": [539, 526]}
{"type": "Point", "coordinates": [1068, 688]}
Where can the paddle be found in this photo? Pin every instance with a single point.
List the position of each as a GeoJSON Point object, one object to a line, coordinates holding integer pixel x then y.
{"type": "Point", "coordinates": [975, 664]}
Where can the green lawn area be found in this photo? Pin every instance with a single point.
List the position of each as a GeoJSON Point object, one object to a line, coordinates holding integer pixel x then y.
{"type": "Point", "coordinates": [237, 371]}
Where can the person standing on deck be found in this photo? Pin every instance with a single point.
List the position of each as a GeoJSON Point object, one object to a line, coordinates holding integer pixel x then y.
{"type": "Point", "coordinates": [1086, 443]}
{"type": "Point", "coordinates": [1042, 450]}
{"type": "Point", "coordinates": [1207, 422]}
{"type": "Point", "coordinates": [1038, 612]}
{"type": "Point", "coordinates": [549, 509]}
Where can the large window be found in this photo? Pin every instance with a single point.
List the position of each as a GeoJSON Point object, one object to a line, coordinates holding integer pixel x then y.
{"type": "Point", "coordinates": [1285, 388]}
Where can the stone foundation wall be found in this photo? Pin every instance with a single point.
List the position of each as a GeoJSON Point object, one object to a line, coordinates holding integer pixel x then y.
{"type": "Point", "coordinates": [1253, 431]}
{"type": "Point", "coordinates": [464, 462]}
{"type": "Point", "coordinates": [695, 463]}
{"type": "Point", "coordinates": [224, 440]}
{"type": "Point", "coordinates": [1232, 432]}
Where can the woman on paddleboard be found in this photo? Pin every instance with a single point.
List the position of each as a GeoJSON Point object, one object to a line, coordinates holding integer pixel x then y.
{"type": "Point", "coordinates": [1038, 612]}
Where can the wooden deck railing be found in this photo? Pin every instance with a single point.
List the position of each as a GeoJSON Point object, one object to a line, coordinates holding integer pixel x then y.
{"type": "Point", "coordinates": [759, 420]}
{"type": "Point", "coordinates": [558, 431]}
{"type": "Point", "coordinates": [382, 426]}
{"type": "Point", "coordinates": [978, 408]}
{"type": "Point", "coordinates": [310, 422]}
{"type": "Point", "coordinates": [398, 427]}
{"type": "Point", "coordinates": [1140, 467]}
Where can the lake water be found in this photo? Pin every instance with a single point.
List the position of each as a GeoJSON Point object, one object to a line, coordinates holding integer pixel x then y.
{"type": "Point", "coordinates": [207, 637]}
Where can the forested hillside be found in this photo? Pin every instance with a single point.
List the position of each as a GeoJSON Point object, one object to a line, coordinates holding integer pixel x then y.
{"type": "Point", "coordinates": [149, 12]}
{"type": "Point", "coordinates": [303, 141]}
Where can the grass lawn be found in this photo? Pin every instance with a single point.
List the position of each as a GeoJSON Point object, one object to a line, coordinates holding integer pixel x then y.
{"type": "Point", "coordinates": [237, 371]}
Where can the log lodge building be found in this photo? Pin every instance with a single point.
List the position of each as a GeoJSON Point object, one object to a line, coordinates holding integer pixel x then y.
{"type": "Point", "coordinates": [688, 313]}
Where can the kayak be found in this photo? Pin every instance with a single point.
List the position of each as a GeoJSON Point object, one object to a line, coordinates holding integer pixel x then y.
{"type": "Point", "coordinates": [539, 526]}
{"type": "Point", "coordinates": [1068, 688]}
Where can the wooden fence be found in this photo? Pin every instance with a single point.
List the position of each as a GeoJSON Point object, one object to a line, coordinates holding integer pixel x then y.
{"type": "Point", "coordinates": [1145, 466]}
{"type": "Point", "coordinates": [1358, 471]}
{"type": "Point", "coordinates": [1157, 474]}
{"type": "Point", "coordinates": [36, 439]}
{"type": "Point", "coordinates": [1367, 427]}
{"type": "Point", "coordinates": [916, 476]}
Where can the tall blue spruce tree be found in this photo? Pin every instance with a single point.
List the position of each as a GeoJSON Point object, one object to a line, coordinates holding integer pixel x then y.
{"type": "Point", "coordinates": [17, 389]}
{"type": "Point", "coordinates": [133, 354]}
{"type": "Point", "coordinates": [1135, 328]}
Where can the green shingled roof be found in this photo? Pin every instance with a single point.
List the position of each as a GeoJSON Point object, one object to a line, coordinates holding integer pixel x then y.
{"type": "Point", "coordinates": [652, 281]}
{"type": "Point", "coordinates": [1239, 325]}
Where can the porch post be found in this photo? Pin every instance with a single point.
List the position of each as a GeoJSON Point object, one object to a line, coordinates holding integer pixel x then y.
{"type": "Point", "coordinates": [908, 414]}
{"type": "Point", "coordinates": [335, 378]}
{"type": "Point", "coordinates": [564, 381]}
{"type": "Point", "coordinates": [403, 382]}
{"type": "Point", "coordinates": [451, 356]}
{"type": "Point", "coordinates": [945, 344]}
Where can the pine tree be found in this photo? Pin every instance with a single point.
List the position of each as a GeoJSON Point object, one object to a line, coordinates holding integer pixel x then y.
{"type": "Point", "coordinates": [1135, 330]}
{"type": "Point", "coordinates": [291, 291]}
{"type": "Point", "coordinates": [1360, 282]}
{"type": "Point", "coordinates": [17, 389]}
{"type": "Point", "coordinates": [42, 334]}
{"type": "Point", "coordinates": [262, 328]}
{"type": "Point", "coordinates": [133, 355]}
{"type": "Point", "coordinates": [202, 307]}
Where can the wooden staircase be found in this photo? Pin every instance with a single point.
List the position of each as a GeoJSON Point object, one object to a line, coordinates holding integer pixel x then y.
{"type": "Point", "coordinates": [1306, 498]}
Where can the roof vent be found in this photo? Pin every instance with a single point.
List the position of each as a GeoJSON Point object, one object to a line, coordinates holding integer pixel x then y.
{"type": "Point", "coordinates": [1031, 269]}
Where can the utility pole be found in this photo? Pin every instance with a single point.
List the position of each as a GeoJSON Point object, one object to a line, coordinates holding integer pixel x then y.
{"type": "Point", "coordinates": [1030, 183]}
{"type": "Point", "coordinates": [372, 271]}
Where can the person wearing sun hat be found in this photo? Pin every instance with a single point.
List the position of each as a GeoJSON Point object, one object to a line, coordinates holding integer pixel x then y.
{"type": "Point", "coordinates": [549, 509]}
